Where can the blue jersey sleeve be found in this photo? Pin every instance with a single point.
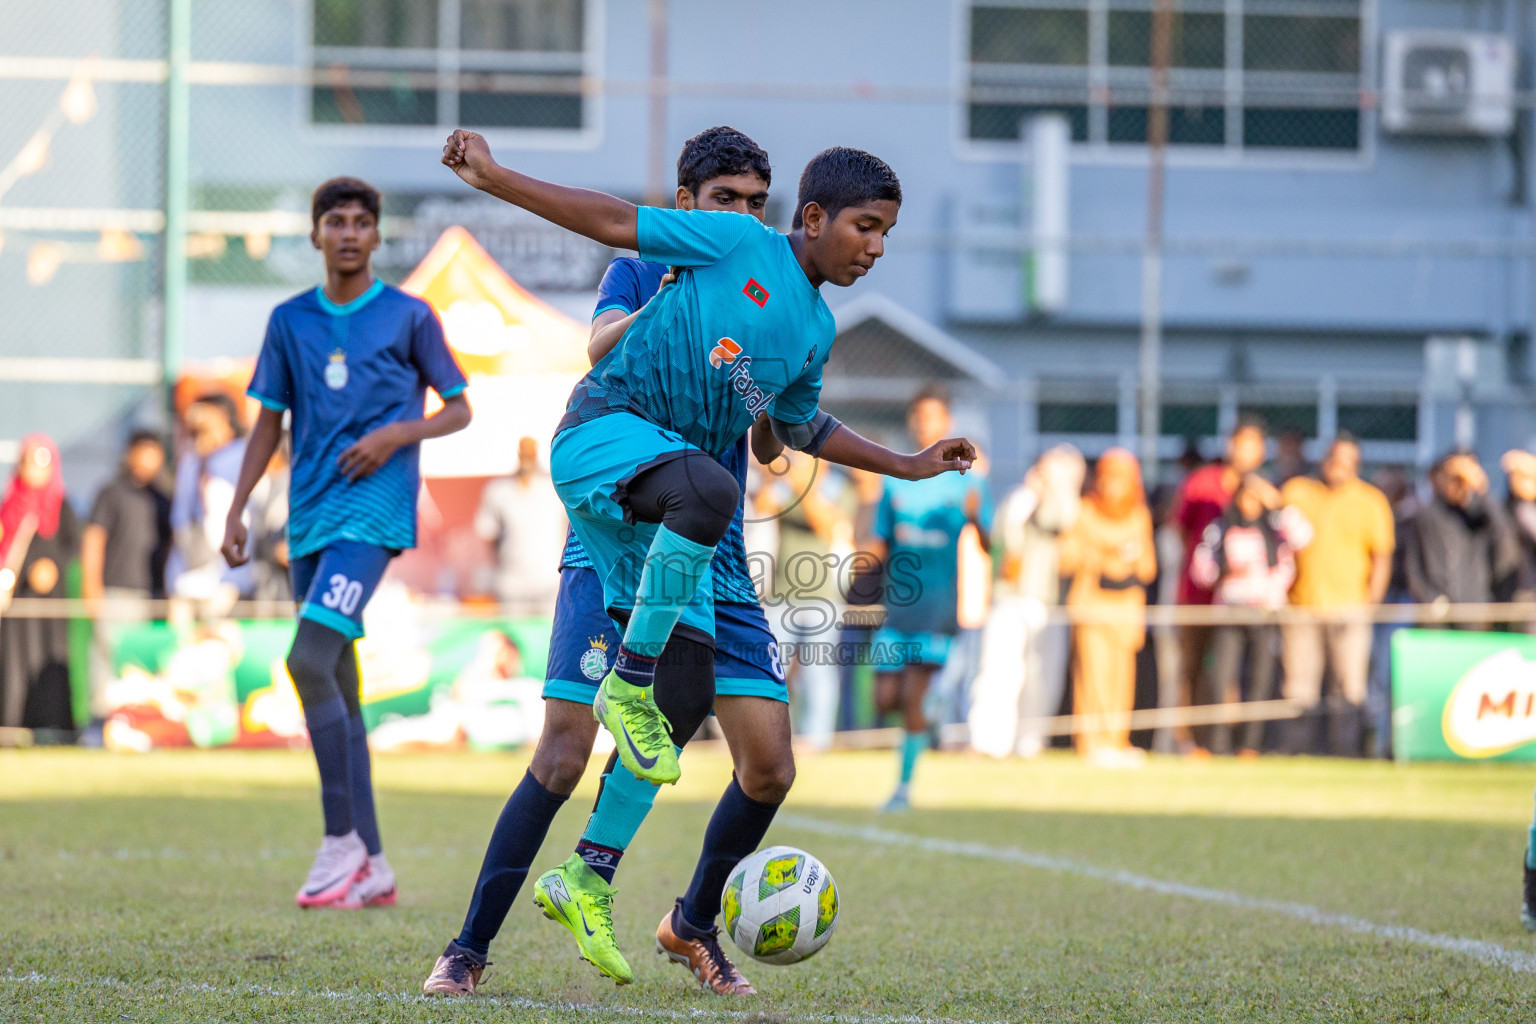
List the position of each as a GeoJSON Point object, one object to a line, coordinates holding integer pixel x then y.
{"type": "Point", "coordinates": [272, 383]}
{"type": "Point", "coordinates": [690, 238]}
{"type": "Point", "coordinates": [621, 288]}
{"type": "Point", "coordinates": [433, 359]}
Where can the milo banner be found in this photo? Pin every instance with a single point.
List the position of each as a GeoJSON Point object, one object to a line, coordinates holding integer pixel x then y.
{"type": "Point", "coordinates": [1463, 696]}
{"type": "Point", "coordinates": [426, 686]}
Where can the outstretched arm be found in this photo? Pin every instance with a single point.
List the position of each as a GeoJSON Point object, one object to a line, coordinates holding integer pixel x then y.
{"type": "Point", "coordinates": [597, 215]}
{"type": "Point", "coordinates": [847, 448]}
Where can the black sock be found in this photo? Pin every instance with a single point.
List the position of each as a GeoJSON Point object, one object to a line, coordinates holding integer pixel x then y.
{"type": "Point", "coordinates": [735, 830]}
{"type": "Point", "coordinates": [515, 841]}
{"type": "Point", "coordinates": [602, 859]}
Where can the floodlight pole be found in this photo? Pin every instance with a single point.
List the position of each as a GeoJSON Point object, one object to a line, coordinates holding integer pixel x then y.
{"type": "Point", "coordinates": [1150, 405]}
{"type": "Point", "coordinates": [656, 174]}
{"type": "Point", "coordinates": [177, 129]}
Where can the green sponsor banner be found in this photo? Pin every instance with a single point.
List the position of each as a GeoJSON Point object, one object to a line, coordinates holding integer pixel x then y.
{"type": "Point", "coordinates": [1463, 696]}
{"type": "Point", "coordinates": [225, 683]}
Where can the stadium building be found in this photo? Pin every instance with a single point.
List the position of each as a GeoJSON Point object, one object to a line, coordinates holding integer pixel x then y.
{"type": "Point", "coordinates": [1348, 232]}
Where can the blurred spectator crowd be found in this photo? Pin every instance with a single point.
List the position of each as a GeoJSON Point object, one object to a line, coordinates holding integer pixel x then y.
{"type": "Point", "coordinates": [1282, 574]}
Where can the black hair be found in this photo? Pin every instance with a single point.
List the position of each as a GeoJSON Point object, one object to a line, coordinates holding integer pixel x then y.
{"type": "Point", "coordinates": [841, 177]}
{"type": "Point", "coordinates": [341, 192]}
{"type": "Point", "coordinates": [931, 392]}
{"type": "Point", "coordinates": [143, 435]}
{"type": "Point", "coordinates": [225, 405]}
{"type": "Point", "coordinates": [718, 151]}
{"type": "Point", "coordinates": [1455, 453]}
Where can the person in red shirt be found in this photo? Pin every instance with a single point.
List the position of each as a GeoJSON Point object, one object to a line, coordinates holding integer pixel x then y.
{"type": "Point", "coordinates": [1200, 500]}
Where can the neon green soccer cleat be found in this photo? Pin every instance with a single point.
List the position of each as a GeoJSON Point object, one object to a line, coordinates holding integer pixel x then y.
{"type": "Point", "coordinates": [640, 731]}
{"type": "Point", "coordinates": [577, 897]}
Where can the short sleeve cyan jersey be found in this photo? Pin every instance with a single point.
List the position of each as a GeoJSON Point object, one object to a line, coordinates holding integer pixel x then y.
{"type": "Point", "coordinates": [343, 371]}
{"type": "Point", "coordinates": [920, 521]}
{"type": "Point", "coordinates": [742, 332]}
{"type": "Point", "coordinates": [628, 285]}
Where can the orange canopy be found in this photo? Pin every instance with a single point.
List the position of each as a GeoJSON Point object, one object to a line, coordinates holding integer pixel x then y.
{"type": "Point", "coordinates": [522, 357]}
{"type": "Point", "coordinates": [493, 325]}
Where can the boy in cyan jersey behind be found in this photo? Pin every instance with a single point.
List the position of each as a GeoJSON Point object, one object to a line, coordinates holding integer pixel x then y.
{"type": "Point", "coordinates": [919, 522]}
{"type": "Point", "coordinates": [351, 361]}
{"type": "Point", "coordinates": [718, 169]}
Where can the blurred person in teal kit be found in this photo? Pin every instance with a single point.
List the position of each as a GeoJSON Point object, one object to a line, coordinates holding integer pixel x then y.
{"type": "Point", "coordinates": [919, 523]}
{"type": "Point", "coordinates": [351, 362]}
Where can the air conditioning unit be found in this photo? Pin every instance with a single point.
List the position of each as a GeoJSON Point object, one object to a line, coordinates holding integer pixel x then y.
{"type": "Point", "coordinates": [1448, 83]}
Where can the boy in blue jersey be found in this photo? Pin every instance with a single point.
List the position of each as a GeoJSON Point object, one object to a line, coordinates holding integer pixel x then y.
{"type": "Point", "coordinates": [743, 332]}
{"type": "Point", "coordinates": [919, 522]}
{"type": "Point", "coordinates": [718, 169]}
{"type": "Point", "coordinates": [350, 361]}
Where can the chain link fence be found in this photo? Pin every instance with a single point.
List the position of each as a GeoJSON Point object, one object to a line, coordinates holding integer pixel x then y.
{"type": "Point", "coordinates": [283, 95]}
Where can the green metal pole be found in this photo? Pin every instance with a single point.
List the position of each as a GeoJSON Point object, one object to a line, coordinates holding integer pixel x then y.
{"type": "Point", "coordinates": [177, 128]}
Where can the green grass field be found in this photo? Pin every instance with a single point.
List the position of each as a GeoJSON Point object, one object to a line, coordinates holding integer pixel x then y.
{"type": "Point", "coordinates": [159, 888]}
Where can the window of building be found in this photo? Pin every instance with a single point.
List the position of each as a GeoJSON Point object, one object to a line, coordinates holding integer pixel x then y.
{"type": "Point", "coordinates": [1380, 422]}
{"type": "Point", "coordinates": [1188, 420]}
{"type": "Point", "coordinates": [1244, 74]}
{"type": "Point", "coordinates": [1078, 418]}
{"type": "Point", "coordinates": [493, 64]}
{"type": "Point", "coordinates": [1282, 418]}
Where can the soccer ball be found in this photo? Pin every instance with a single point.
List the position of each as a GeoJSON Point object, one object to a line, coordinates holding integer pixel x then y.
{"type": "Point", "coordinates": [780, 905]}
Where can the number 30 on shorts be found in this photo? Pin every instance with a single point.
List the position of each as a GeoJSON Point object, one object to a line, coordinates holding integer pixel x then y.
{"type": "Point", "coordinates": [343, 595]}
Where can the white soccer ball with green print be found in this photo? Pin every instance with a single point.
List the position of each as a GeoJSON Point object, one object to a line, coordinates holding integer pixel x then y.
{"type": "Point", "coordinates": [780, 905]}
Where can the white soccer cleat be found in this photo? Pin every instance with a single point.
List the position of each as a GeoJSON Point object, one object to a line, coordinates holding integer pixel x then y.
{"type": "Point", "coordinates": [339, 862]}
{"type": "Point", "coordinates": [374, 889]}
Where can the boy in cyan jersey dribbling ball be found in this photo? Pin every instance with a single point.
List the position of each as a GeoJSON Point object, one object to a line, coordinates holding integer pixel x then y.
{"type": "Point", "coordinates": [742, 333]}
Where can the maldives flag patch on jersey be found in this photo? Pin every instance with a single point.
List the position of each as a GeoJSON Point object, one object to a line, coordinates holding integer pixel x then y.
{"type": "Point", "coordinates": [756, 292]}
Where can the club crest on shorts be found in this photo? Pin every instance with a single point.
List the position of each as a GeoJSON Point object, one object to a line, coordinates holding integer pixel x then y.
{"type": "Point", "coordinates": [594, 661]}
{"type": "Point", "coordinates": [336, 371]}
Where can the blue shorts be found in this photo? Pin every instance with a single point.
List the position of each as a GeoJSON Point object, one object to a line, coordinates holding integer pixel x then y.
{"type": "Point", "coordinates": [592, 464]}
{"type": "Point", "coordinates": [336, 583]}
{"type": "Point", "coordinates": [893, 649]}
{"type": "Point", "coordinates": [584, 641]}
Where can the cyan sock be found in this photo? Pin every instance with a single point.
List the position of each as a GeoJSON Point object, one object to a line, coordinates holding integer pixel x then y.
{"type": "Point", "coordinates": [674, 567]}
{"type": "Point", "coordinates": [327, 724]}
{"type": "Point", "coordinates": [515, 841]}
{"type": "Point", "coordinates": [622, 804]}
{"type": "Point", "coordinates": [360, 768]}
{"type": "Point", "coordinates": [912, 745]}
{"type": "Point", "coordinates": [1530, 848]}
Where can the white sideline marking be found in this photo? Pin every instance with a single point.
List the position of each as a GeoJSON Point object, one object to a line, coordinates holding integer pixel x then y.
{"type": "Point", "coordinates": [509, 1002]}
{"type": "Point", "coordinates": [1487, 952]}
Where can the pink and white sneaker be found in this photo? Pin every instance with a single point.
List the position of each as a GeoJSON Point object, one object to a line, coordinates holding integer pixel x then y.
{"type": "Point", "coordinates": [340, 861]}
{"type": "Point", "coordinates": [376, 888]}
